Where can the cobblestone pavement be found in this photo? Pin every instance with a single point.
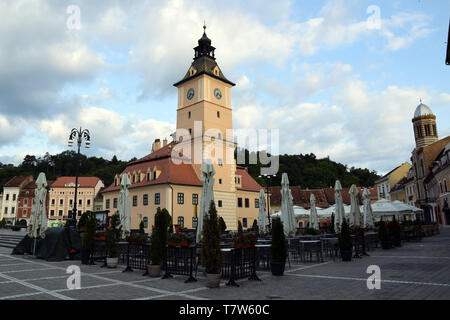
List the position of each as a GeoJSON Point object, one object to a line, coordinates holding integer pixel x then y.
{"type": "Point", "coordinates": [417, 270]}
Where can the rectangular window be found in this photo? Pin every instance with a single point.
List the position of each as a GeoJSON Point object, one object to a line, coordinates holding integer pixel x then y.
{"type": "Point", "coordinates": [24, 213]}
{"type": "Point", "coordinates": [157, 198]}
{"type": "Point", "coordinates": [6, 210]}
{"type": "Point", "coordinates": [107, 203]}
{"type": "Point", "coordinates": [25, 201]}
{"type": "Point", "coordinates": [145, 200]}
{"type": "Point", "coordinates": [61, 201]}
{"type": "Point", "coordinates": [134, 201]}
{"type": "Point", "coordinates": [180, 198]}
{"type": "Point", "coordinates": [256, 203]}
{"type": "Point", "coordinates": [71, 202]}
{"type": "Point", "coordinates": [80, 202]}
{"type": "Point", "coordinates": [189, 115]}
{"type": "Point", "coordinates": [181, 221]}
{"type": "Point", "coordinates": [219, 203]}
{"type": "Point", "coordinates": [244, 222]}
{"type": "Point", "coordinates": [218, 114]}
{"type": "Point", "coordinates": [88, 202]}
{"type": "Point", "coordinates": [13, 210]}
{"type": "Point", "coordinates": [239, 202]}
{"type": "Point", "coordinates": [52, 212]}
{"type": "Point", "coordinates": [60, 213]}
{"type": "Point", "coordinates": [194, 198]}
{"type": "Point", "coordinates": [154, 175]}
{"type": "Point", "coordinates": [247, 203]}
{"type": "Point", "coordinates": [115, 203]}
{"type": "Point", "coordinates": [53, 201]}
{"type": "Point", "coordinates": [7, 197]}
{"type": "Point", "coordinates": [145, 222]}
{"type": "Point", "coordinates": [14, 197]}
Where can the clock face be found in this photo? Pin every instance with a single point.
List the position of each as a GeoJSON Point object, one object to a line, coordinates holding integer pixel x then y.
{"type": "Point", "coordinates": [217, 93]}
{"type": "Point", "coordinates": [190, 94]}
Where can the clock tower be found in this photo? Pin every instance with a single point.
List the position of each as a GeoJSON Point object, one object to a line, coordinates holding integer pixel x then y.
{"type": "Point", "coordinates": [204, 110]}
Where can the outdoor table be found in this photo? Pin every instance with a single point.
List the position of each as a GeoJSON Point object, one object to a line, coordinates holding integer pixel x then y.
{"type": "Point", "coordinates": [330, 246]}
{"type": "Point", "coordinates": [311, 245]}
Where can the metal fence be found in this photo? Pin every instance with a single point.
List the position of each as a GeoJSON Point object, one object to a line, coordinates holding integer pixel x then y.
{"type": "Point", "coordinates": [180, 261]}
{"type": "Point", "coordinates": [239, 263]}
{"type": "Point", "coordinates": [135, 257]}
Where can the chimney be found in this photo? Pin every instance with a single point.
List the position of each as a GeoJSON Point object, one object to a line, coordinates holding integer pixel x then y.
{"type": "Point", "coordinates": [164, 142]}
{"type": "Point", "coordinates": [156, 145]}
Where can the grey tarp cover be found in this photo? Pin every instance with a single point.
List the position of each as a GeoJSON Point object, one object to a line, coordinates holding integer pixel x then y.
{"type": "Point", "coordinates": [56, 246]}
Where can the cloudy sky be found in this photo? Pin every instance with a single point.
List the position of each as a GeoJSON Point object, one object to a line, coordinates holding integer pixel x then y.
{"type": "Point", "coordinates": [334, 79]}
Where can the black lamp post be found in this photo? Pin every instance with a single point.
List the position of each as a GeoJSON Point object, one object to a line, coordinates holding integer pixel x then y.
{"type": "Point", "coordinates": [79, 135]}
{"type": "Point", "coordinates": [267, 176]}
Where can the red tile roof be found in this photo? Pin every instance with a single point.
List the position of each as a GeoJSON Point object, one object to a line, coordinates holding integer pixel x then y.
{"type": "Point", "coordinates": [18, 181]}
{"type": "Point", "coordinates": [181, 174]}
{"type": "Point", "coordinates": [84, 182]}
{"type": "Point", "coordinates": [324, 197]}
{"type": "Point", "coordinates": [247, 181]}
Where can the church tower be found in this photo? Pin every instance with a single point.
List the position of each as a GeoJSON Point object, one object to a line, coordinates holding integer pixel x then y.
{"type": "Point", "coordinates": [424, 122]}
{"type": "Point", "coordinates": [204, 110]}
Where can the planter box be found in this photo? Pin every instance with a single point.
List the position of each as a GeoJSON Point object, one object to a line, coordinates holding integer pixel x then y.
{"type": "Point", "coordinates": [243, 245]}
{"type": "Point", "coordinates": [346, 255]}
{"type": "Point", "coordinates": [277, 268]}
{"type": "Point", "coordinates": [178, 244]}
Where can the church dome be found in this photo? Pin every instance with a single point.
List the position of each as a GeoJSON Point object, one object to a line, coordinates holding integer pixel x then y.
{"type": "Point", "coordinates": [422, 110]}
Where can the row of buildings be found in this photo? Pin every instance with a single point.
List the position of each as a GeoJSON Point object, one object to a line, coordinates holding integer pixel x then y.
{"type": "Point", "coordinates": [425, 182]}
{"type": "Point", "coordinates": [16, 199]}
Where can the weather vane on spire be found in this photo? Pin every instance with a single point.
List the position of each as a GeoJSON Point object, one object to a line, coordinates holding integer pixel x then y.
{"type": "Point", "coordinates": [204, 25]}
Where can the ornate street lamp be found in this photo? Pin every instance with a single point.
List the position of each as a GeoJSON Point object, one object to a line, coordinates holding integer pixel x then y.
{"type": "Point", "coordinates": [79, 135]}
{"type": "Point", "coordinates": [266, 178]}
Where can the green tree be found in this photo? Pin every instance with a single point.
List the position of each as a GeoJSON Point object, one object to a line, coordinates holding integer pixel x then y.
{"type": "Point", "coordinates": [278, 247]}
{"type": "Point", "coordinates": [240, 229]}
{"type": "Point", "coordinates": [113, 235]}
{"type": "Point", "coordinates": [158, 238]}
{"type": "Point", "coordinates": [223, 225]}
{"type": "Point", "coordinates": [211, 254]}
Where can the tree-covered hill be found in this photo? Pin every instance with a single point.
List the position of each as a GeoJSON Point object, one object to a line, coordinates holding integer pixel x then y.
{"type": "Point", "coordinates": [305, 171]}
{"type": "Point", "coordinates": [63, 164]}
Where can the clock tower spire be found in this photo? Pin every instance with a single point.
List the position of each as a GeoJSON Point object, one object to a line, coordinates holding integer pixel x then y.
{"type": "Point", "coordinates": [204, 110]}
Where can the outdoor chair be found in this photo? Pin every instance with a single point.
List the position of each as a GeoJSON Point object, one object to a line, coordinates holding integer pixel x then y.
{"type": "Point", "coordinates": [310, 248]}
{"type": "Point", "coordinates": [330, 247]}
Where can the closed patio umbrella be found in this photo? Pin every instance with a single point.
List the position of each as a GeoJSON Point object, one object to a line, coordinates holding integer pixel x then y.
{"type": "Point", "coordinates": [38, 218]}
{"type": "Point", "coordinates": [367, 210]}
{"type": "Point", "coordinates": [124, 205]}
{"type": "Point", "coordinates": [287, 207]}
{"type": "Point", "coordinates": [339, 209]}
{"type": "Point", "coordinates": [262, 216]}
{"type": "Point", "coordinates": [314, 219]}
{"type": "Point", "coordinates": [208, 173]}
{"type": "Point", "coordinates": [355, 213]}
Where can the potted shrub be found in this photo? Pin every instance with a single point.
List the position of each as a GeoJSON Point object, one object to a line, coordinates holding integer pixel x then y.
{"type": "Point", "coordinates": [211, 254]}
{"type": "Point", "coordinates": [223, 225]}
{"type": "Point", "coordinates": [278, 248]}
{"type": "Point", "coordinates": [158, 243]}
{"type": "Point", "coordinates": [141, 227]}
{"type": "Point", "coordinates": [345, 242]}
{"type": "Point", "coordinates": [178, 240]}
{"type": "Point", "coordinates": [383, 235]}
{"type": "Point", "coordinates": [113, 235]}
{"type": "Point", "coordinates": [312, 232]}
{"type": "Point", "coordinates": [137, 239]}
{"type": "Point", "coordinates": [247, 240]}
{"type": "Point", "coordinates": [394, 232]}
{"type": "Point", "coordinates": [87, 244]}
